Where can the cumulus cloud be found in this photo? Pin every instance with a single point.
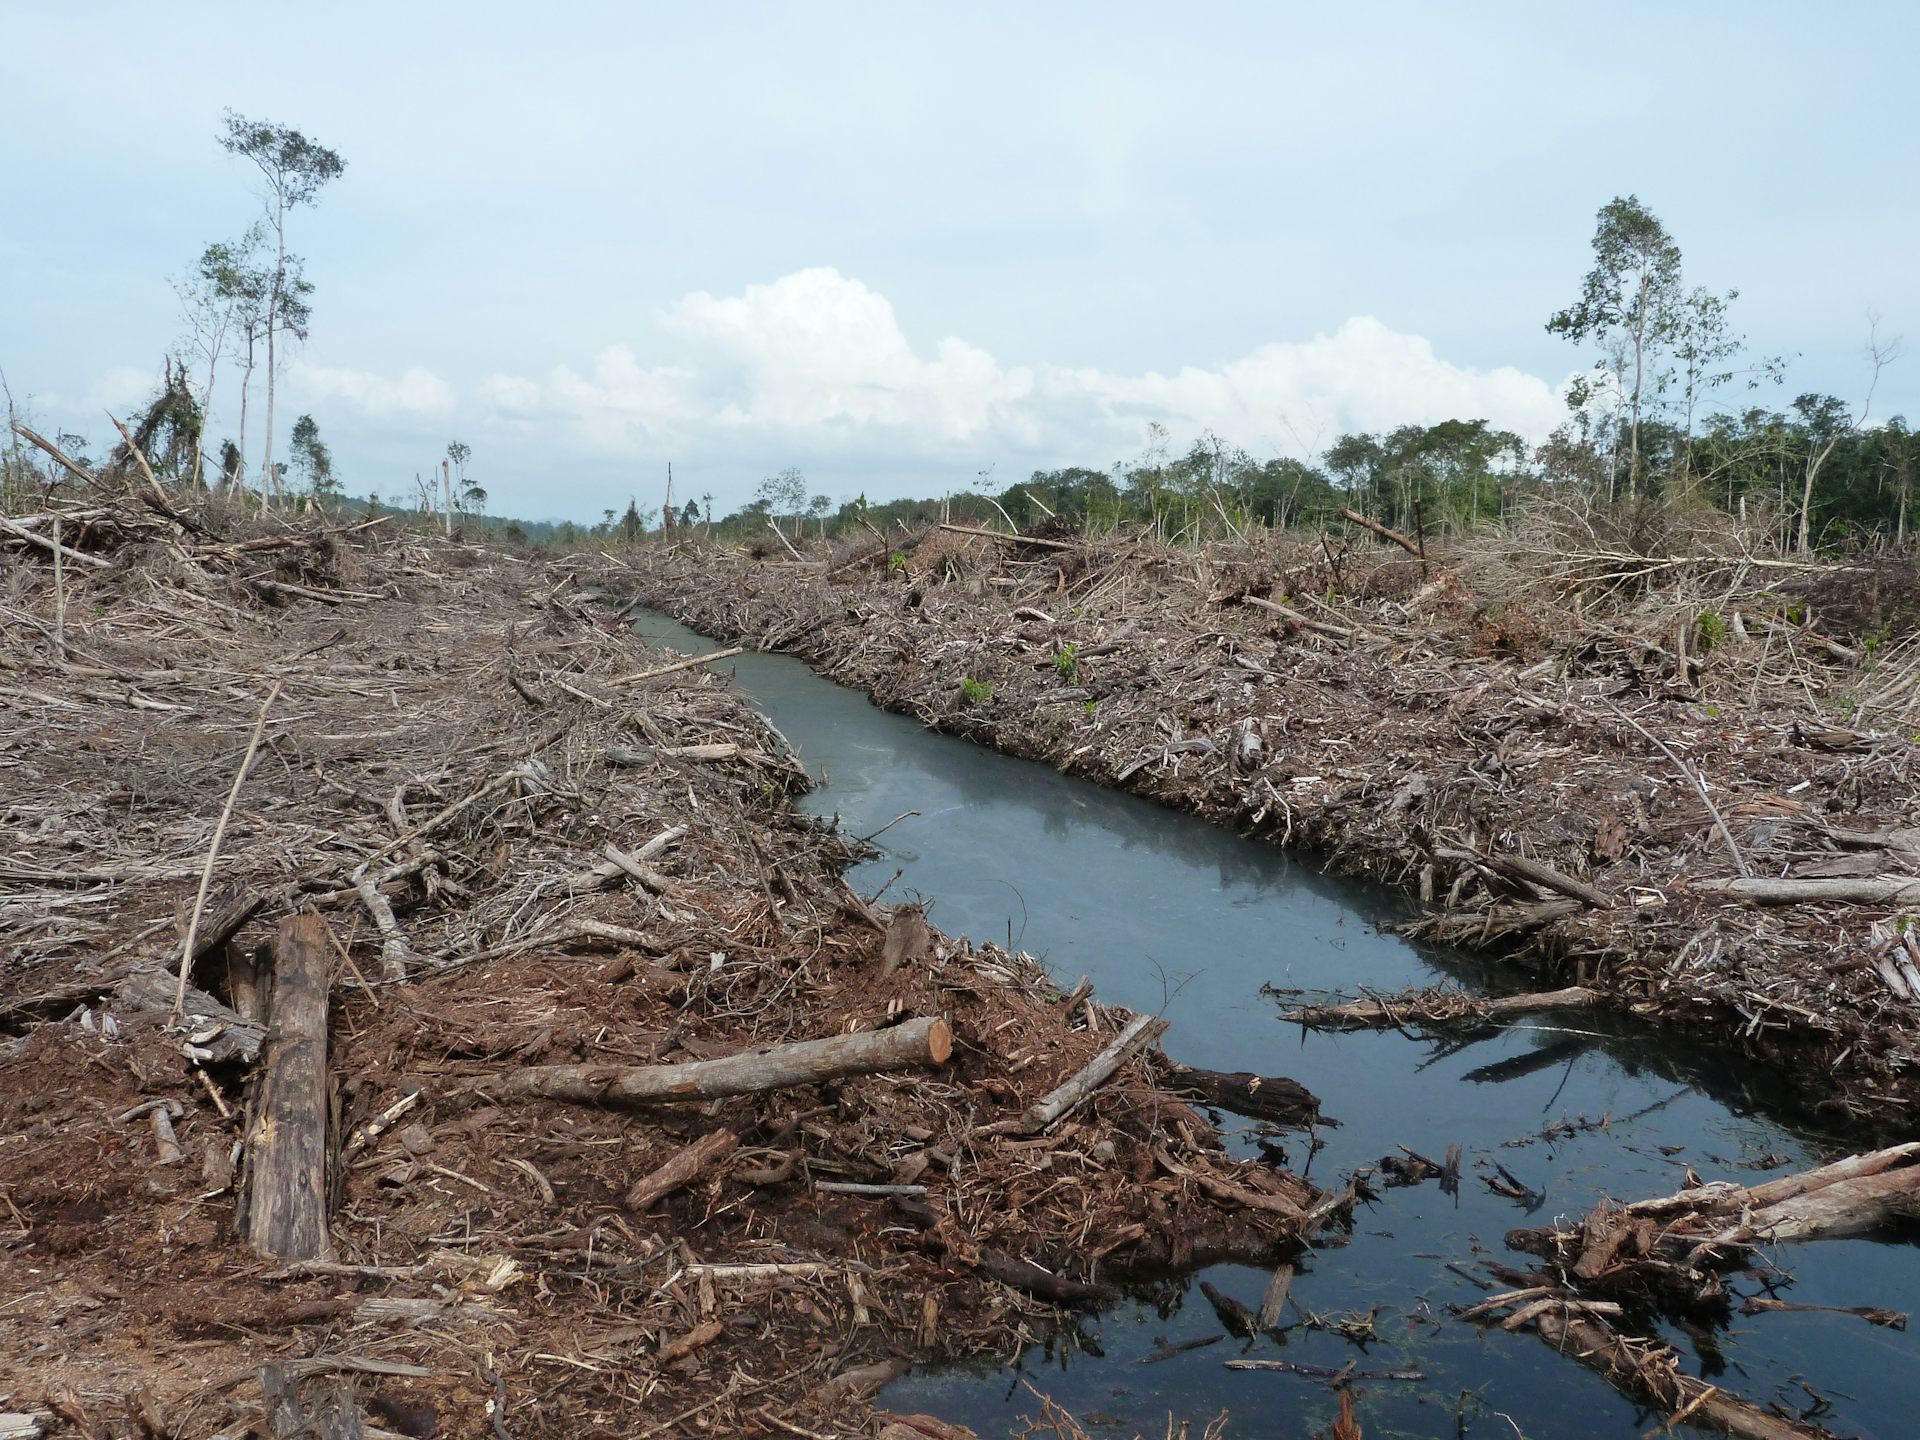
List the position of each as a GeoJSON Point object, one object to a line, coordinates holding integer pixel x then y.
{"type": "Point", "coordinates": [415, 392]}
{"type": "Point", "coordinates": [819, 360]}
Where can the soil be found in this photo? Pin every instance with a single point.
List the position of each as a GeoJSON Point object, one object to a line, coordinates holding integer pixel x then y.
{"type": "Point", "coordinates": [1569, 752]}
{"type": "Point", "coordinates": [463, 729]}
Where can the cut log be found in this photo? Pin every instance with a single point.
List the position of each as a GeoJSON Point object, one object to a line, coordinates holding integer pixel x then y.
{"type": "Point", "coordinates": [683, 1169]}
{"type": "Point", "coordinates": [806, 1062]}
{"type": "Point", "coordinates": [287, 1190]}
{"type": "Point", "coordinates": [1142, 1030]}
{"type": "Point", "coordinates": [1846, 890]}
{"type": "Point", "coordinates": [1259, 1097]}
{"type": "Point", "coordinates": [1530, 872]}
{"type": "Point", "coordinates": [1435, 1007]}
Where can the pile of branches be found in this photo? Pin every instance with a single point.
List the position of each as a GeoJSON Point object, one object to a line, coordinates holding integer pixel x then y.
{"type": "Point", "coordinates": [418, 999]}
{"type": "Point", "coordinates": [1667, 797]}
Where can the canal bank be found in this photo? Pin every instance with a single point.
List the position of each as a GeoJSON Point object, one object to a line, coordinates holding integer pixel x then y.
{"type": "Point", "coordinates": [1165, 911]}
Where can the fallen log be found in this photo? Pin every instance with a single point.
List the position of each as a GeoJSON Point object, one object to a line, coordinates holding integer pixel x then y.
{"type": "Point", "coordinates": [1531, 872]}
{"type": "Point", "coordinates": [1438, 1006]}
{"type": "Point", "coordinates": [1354, 517]}
{"type": "Point", "coordinates": [1041, 1282]}
{"type": "Point", "coordinates": [1258, 1097]}
{"type": "Point", "coordinates": [1650, 1372]}
{"type": "Point", "coordinates": [287, 1147]}
{"type": "Point", "coordinates": [687, 664]}
{"type": "Point", "coordinates": [907, 1046]}
{"type": "Point", "coordinates": [1847, 890]}
{"type": "Point", "coordinates": [214, 1033]}
{"type": "Point", "coordinates": [1006, 539]}
{"type": "Point", "coordinates": [684, 1168]}
{"type": "Point", "coordinates": [1141, 1031]}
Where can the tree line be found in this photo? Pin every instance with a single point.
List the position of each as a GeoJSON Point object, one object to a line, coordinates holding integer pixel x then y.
{"type": "Point", "coordinates": [1664, 412]}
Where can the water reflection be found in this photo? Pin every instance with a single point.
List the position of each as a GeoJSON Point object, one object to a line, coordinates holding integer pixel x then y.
{"type": "Point", "coordinates": [1167, 913]}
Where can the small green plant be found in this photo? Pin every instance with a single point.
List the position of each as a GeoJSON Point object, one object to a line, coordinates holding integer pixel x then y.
{"type": "Point", "coordinates": [1092, 707]}
{"type": "Point", "coordinates": [1066, 664]}
{"type": "Point", "coordinates": [976, 692]}
{"type": "Point", "coordinates": [1713, 629]}
{"type": "Point", "coordinates": [896, 562]}
{"type": "Point", "coordinates": [1796, 614]}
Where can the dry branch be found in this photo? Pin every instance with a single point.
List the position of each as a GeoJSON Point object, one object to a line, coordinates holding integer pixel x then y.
{"type": "Point", "coordinates": [914, 1044]}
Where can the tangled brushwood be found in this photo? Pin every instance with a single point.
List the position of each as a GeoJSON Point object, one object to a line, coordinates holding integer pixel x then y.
{"type": "Point", "coordinates": [423, 1012]}
{"type": "Point", "coordinates": [1647, 755]}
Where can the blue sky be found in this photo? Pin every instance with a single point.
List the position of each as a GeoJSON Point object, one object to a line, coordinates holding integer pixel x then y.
{"type": "Point", "coordinates": [897, 244]}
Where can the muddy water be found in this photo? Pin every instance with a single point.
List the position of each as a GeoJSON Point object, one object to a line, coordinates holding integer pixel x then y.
{"type": "Point", "coordinates": [1167, 913]}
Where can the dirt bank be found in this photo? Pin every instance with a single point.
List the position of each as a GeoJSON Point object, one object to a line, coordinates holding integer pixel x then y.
{"type": "Point", "coordinates": [544, 862]}
{"type": "Point", "coordinates": [1627, 768]}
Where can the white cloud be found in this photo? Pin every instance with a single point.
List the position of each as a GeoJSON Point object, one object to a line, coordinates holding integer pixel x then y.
{"type": "Point", "coordinates": [121, 389]}
{"type": "Point", "coordinates": [818, 360]}
{"type": "Point", "coordinates": [416, 391]}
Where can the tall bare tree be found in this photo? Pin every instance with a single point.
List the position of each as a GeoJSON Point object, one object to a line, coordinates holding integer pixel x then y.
{"type": "Point", "coordinates": [295, 169]}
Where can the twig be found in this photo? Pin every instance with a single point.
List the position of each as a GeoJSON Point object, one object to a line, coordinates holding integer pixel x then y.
{"type": "Point", "coordinates": [213, 850]}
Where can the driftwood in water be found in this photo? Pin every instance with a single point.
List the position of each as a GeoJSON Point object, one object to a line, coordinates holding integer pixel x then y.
{"type": "Point", "coordinates": [1650, 1372]}
{"type": "Point", "coordinates": [287, 1191]}
{"type": "Point", "coordinates": [684, 1168]}
{"type": "Point", "coordinates": [1439, 1006]}
{"type": "Point", "coordinates": [1670, 1245]}
{"type": "Point", "coordinates": [1259, 1097]}
{"type": "Point", "coordinates": [806, 1062]}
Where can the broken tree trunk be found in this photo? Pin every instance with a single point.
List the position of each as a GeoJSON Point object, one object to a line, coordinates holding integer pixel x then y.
{"type": "Point", "coordinates": [287, 1193]}
{"type": "Point", "coordinates": [805, 1062]}
{"type": "Point", "coordinates": [1259, 1097]}
{"type": "Point", "coordinates": [684, 1168]}
{"type": "Point", "coordinates": [1650, 1371]}
{"type": "Point", "coordinates": [1435, 1007]}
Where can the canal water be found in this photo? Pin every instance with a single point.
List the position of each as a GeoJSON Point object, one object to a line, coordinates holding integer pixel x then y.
{"type": "Point", "coordinates": [1169, 914]}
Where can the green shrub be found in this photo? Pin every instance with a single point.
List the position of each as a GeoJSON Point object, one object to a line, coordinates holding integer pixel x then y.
{"type": "Point", "coordinates": [1066, 664]}
{"type": "Point", "coordinates": [975, 692]}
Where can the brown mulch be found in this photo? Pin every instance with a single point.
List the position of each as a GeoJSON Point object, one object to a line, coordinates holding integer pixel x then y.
{"type": "Point", "coordinates": [449, 727]}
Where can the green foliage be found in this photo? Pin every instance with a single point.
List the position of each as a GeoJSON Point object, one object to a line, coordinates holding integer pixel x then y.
{"type": "Point", "coordinates": [1066, 663]}
{"type": "Point", "coordinates": [897, 562]}
{"type": "Point", "coordinates": [975, 692]}
{"type": "Point", "coordinates": [311, 461]}
{"type": "Point", "coordinates": [1713, 628]}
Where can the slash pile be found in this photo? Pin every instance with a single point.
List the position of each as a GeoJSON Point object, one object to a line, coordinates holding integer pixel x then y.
{"type": "Point", "coordinates": [431, 816]}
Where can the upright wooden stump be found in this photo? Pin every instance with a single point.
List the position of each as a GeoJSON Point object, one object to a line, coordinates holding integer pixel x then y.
{"type": "Point", "coordinates": [287, 1204]}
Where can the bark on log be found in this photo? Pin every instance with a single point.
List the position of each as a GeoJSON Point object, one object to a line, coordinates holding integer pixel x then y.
{"type": "Point", "coordinates": [1042, 1113]}
{"type": "Point", "coordinates": [215, 1034]}
{"type": "Point", "coordinates": [1648, 1371]}
{"type": "Point", "coordinates": [1855, 890]}
{"type": "Point", "coordinates": [1531, 872]}
{"type": "Point", "coordinates": [1259, 1097]}
{"type": "Point", "coordinates": [1435, 1008]}
{"type": "Point", "coordinates": [684, 1168]}
{"type": "Point", "coordinates": [1027, 1276]}
{"type": "Point", "coordinates": [287, 1194]}
{"type": "Point", "coordinates": [807, 1062]}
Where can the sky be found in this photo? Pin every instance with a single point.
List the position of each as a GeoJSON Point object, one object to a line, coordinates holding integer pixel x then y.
{"type": "Point", "coordinates": [899, 246]}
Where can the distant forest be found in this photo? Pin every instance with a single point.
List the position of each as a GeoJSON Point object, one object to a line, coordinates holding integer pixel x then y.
{"type": "Point", "coordinates": [1673, 407]}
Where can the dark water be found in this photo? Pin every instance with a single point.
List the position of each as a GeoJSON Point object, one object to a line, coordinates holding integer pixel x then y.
{"type": "Point", "coordinates": [1168, 913]}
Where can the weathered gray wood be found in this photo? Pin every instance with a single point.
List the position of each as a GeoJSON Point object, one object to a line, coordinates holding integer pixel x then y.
{"type": "Point", "coordinates": [1141, 1031]}
{"type": "Point", "coordinates": [287, 1196]}
{"type": "Point", "coordinates": [214, 1033]}
{"type": "Point", "coordinates": [805, 1062]}
{"type": "Point", "coordinates": [1846, 890]}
